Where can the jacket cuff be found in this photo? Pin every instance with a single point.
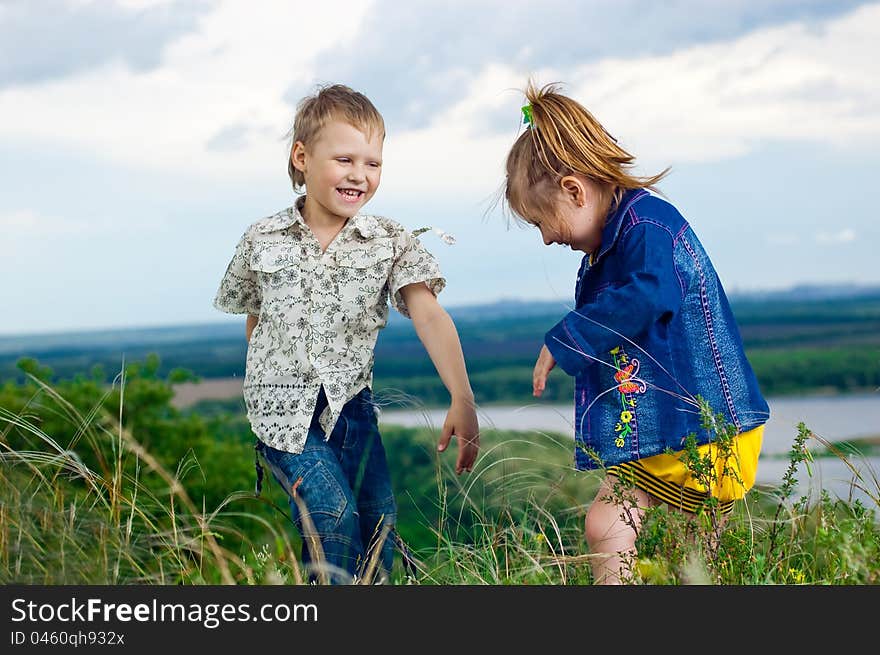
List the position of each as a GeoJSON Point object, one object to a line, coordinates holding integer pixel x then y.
{"type": "Point", "coordinates": [572, 355]}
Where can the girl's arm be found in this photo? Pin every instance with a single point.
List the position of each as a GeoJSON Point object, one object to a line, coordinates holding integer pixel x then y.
{"type": "Point", "coordinates": [650, 291]}
{"type": "Point", "coordinates": [250, 325]}
{"type": "Point", "coordinates": [438, 334]}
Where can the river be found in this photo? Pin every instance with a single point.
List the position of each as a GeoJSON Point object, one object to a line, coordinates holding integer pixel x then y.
{"type": "Point", "coordinates": [833, 418]}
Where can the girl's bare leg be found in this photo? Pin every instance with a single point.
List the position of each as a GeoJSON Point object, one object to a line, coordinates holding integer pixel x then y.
{"type": "Point", "coordinates": [611, 527]}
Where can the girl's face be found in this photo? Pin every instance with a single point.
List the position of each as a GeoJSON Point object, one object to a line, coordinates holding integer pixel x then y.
{"type": "Point", "coordinates": [581, 206]}
{"type": "Point", "coordinates": [342, 169]}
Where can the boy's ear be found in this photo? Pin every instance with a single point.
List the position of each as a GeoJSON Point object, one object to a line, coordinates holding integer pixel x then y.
{"type": "Point", "coordinates": [298, 156]}
{"type": "Point", "coordinates": [574, 190]}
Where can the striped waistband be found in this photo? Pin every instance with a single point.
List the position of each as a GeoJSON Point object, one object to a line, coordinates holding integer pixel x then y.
{"type": "Point", "coordinates": [689, 500]}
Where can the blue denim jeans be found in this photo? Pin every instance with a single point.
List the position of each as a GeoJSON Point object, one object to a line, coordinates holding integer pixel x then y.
{"type": "Point", "coordinates": [344, 486]}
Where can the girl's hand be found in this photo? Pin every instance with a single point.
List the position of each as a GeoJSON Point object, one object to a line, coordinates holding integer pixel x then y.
{"type": "Point", "coordinates": [461, 421]}
{"type": "Point", "coordinates": [543, 367]}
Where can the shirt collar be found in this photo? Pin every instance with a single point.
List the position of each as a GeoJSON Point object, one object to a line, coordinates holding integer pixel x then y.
{"type": "Point", "coordinates": [368, 226]}
{"type": "Point", "coordinates": [284, 219]}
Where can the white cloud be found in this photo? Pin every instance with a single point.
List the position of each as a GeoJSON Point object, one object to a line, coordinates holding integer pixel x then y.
{"type": "Point", "coordinates": [234, 70]}
{"type": "Point", "coordinates": [142, 4]}
{"type": "Point", "coordinates": [846, 235]}
{"type": "Point", "coordinates": [710, 102]}
{"type": "Point", "coordinates": [216, 105]}
{"type": "Point", "coordinates": [131, 5]}
{"type": "Point", "coordinates": [699, 104]}
{"type": "Point", "coordinates": [448, 156]}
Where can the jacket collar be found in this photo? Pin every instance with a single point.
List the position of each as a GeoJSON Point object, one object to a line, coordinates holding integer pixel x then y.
{"type": "Point", "coordinates": [615, 220]}
{"type": "Point", "coordinates": [368, 226]}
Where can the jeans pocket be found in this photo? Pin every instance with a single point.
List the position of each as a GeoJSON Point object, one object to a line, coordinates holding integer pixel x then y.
{"type": "Point", "coordinates": [317, 491]}
{"type": "Point", "coordinates": [308, 480]}
{"type": "Point", "coordinates": [352, 437]}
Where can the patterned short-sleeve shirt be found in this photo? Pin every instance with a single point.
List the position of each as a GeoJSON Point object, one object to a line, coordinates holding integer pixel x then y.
{"type": "Point", "coordinates": [319, 313]}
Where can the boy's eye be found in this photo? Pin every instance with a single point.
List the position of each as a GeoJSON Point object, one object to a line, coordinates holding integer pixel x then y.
{"type": "Point", "coordinates": [343, 160]}
{"type": "Point", "coordinates": [375, 164]}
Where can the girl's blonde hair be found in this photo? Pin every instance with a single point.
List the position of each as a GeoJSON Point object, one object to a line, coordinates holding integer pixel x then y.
{"type": "Point", "coordinates": [563, 138]}
{"type": "Point", "coordinates": [330, 102]}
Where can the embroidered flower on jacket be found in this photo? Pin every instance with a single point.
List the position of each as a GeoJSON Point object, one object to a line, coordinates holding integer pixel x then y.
{"type": "Point", "coordinates": [627, 385]}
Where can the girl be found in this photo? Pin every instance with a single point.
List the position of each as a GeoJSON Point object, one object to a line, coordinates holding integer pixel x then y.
{"type": "Point", "coordinates": [652, 342]}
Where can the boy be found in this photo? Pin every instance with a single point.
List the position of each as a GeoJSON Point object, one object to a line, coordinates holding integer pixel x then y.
{"type": "Point", "coordinates": [315, 280]}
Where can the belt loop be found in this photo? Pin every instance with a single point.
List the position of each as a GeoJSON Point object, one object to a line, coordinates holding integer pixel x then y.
{"type": "Point", "coordinates": [258, 486]}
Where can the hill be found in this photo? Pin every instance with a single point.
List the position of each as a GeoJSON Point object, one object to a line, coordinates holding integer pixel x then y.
{"type": "Point", "coordinates": [804, 338]}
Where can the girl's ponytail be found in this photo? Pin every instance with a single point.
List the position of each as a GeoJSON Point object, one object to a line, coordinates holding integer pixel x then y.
{"type": "Point", "coordinates": [563, 137]}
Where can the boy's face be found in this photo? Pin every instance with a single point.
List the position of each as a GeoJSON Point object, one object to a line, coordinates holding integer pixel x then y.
{"type": "Point", "coordinates": [342, 168]}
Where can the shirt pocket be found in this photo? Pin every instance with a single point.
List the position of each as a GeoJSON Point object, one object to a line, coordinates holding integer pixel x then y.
{"type": "Point", "coordinates": [278, 270]}
{"type": "Point", "coordinates": [362, 273]}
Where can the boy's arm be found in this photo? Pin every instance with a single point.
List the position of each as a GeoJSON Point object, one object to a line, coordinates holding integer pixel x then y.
{"type": "Point", "coordinates": [438, 334]}
{"type": "Point", "coordinates": [249, 325]}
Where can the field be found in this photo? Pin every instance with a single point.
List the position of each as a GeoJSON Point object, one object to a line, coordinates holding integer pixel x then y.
{"type": "Point", "coordinates": [119, 470]}
{"type": "Point", "coordinates": [108, 483]}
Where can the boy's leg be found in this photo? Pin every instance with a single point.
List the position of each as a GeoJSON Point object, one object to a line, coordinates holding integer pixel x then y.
{"type": "Point", "coordinates": [322, 506]}
{"type": "Point", "coordinates": [611, 527]}
{"type": "Point", "coordinates": [364, 461]}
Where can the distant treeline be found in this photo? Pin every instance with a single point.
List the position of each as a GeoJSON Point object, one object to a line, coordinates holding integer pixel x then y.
{"type": "Point", "coordinates": [795, 346]}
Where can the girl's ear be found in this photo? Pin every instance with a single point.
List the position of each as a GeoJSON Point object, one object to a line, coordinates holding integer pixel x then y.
{"type": "Point", "coordinates": [298, 156]}
{"type": "Point", "coordinates": [574, 190]}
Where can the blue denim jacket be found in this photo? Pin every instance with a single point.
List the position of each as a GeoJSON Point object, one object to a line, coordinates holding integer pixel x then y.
{"type": "Point", "coordinates": [651, 331]}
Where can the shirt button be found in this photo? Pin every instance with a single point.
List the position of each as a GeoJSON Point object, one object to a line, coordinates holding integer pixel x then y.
{"type": "Point", "coordinates": [319, 269]}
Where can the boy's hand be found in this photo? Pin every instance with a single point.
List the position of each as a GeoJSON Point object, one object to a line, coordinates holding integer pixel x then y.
{"type": "Point", "coordinates": [543, 367]}
{"type": "Point", "coordinates": [461, 421]}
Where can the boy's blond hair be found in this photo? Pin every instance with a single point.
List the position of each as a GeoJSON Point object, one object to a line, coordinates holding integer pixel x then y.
{"type": "Point", "coordinates": [563, 138]}
{"type": "Point", "coordinates": [330, 102]}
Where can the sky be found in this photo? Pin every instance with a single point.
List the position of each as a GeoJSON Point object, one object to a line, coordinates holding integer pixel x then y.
{"type": "Point", "coordinates": [140, 138]}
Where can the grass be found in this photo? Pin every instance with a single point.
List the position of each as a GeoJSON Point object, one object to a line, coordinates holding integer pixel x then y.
{"type": "Point", "coordinates": [100, 507]}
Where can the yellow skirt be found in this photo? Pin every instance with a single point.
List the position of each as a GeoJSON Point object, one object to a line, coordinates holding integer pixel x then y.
{"type": "Point", "coordinates": [666, 478]}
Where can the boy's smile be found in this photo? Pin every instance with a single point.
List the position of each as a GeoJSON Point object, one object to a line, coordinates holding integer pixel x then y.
{"type": "Point", "coordinates": [342, 169]}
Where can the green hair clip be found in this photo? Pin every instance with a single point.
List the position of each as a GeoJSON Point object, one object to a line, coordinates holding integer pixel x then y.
{"type": "Point", "coordinates": [527, 115]}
